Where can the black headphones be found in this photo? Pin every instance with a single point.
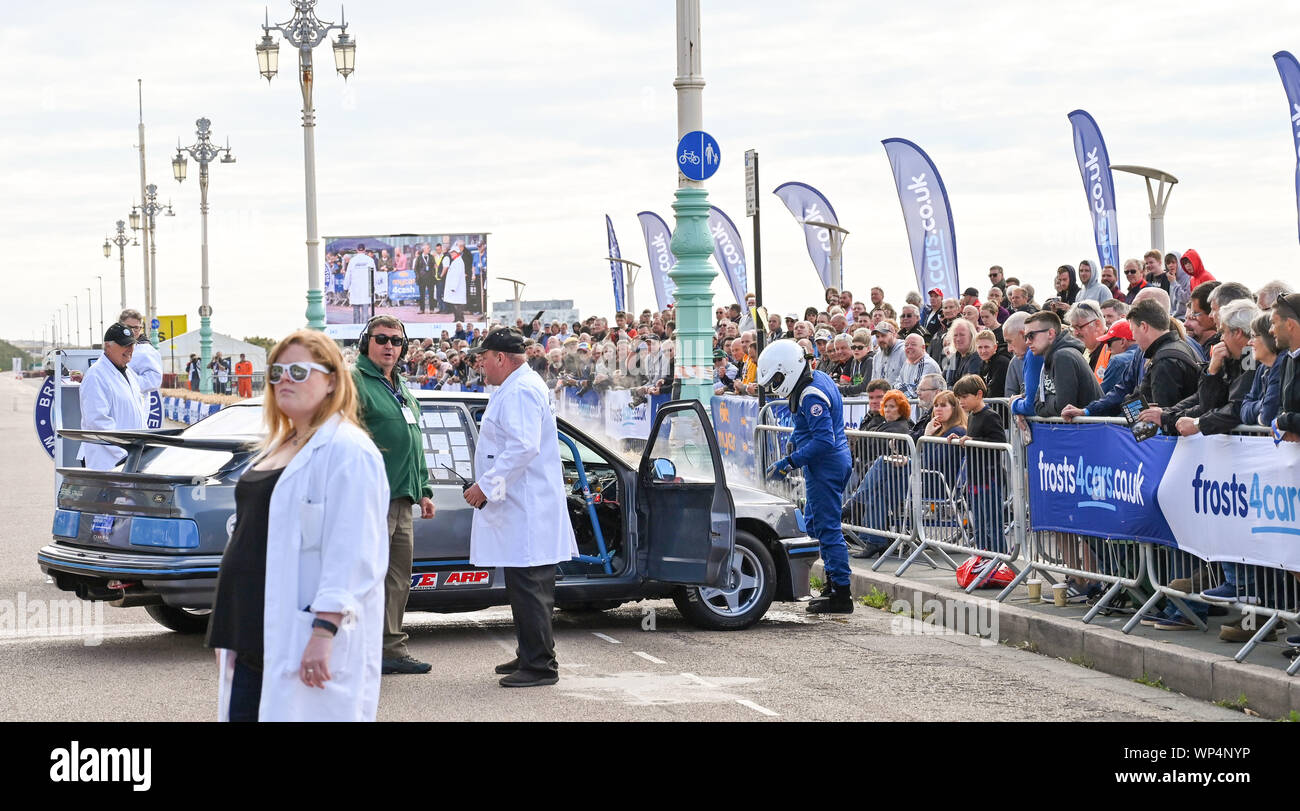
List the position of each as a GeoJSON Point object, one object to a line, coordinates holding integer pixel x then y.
{"type": "Point", "coordinates": [365, 336]}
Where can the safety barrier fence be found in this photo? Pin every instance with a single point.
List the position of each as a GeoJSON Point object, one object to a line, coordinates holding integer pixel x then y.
{"type": "Point", "coordinates": [941, 497]}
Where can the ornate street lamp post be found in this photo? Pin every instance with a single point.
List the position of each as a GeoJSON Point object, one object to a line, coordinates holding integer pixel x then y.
{"type": "Point", "coordinates": [150, 209]}
{"type": "Point", "coordinates": [121, 240]}
{"type": "Point", "coordinates": [204, 152]}
{"type": "Point", "coordinates": [305, 31]}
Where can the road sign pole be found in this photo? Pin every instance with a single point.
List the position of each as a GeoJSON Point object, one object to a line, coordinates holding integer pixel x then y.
{"type": "Point", "coordinates": [752, 209]}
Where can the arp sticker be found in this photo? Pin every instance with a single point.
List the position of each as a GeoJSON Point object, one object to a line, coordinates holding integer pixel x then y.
{"type": "Point", "coordinates": [424, 581]}
{"type": "Point", "coordinates": [482, 577]}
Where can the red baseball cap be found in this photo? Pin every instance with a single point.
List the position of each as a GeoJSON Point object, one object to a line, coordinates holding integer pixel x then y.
{"type": "Point", "coordinates": [1120, 329]}
{"type": "Point", "coordinates": [934, 290]}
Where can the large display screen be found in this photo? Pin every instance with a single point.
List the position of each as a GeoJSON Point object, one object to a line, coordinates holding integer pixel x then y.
{"type": "Point", "coordinates": [420, 279]}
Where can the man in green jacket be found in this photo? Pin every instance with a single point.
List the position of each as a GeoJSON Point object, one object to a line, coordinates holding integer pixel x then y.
{"type": "Point", "coordinates": [392, 416]}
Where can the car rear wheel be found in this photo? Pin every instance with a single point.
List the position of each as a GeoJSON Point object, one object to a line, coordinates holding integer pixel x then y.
{"type": "Point", "coordinates": [751, 587]}
{"type": "Point", "coordinates": [180, 620]}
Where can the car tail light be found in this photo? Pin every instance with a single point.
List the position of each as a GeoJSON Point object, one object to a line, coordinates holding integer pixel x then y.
{"type": "Point", "coordinates": [66, 523]}
{"type": "Point", "coordinates": [168, 533]}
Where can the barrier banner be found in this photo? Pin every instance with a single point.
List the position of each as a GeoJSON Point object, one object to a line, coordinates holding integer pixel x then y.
{"type": "Point", "coordinates": [615, 268]}
{"type": "Point", "coordinates": [1098, 185]}
{"type": "Point", "coordinates": [927, 215]}
{"type": "Point", "coordinates": [658, 247]}
{"type": "Point", "coordinates": [401, 286]}
{"type": "Point", "coordinates": [729, 252]}
{"type": "Point", "coordinates": [1289, 70]}
{"type": "Point", "coordinates": [1097, 480]}
{"type": "Point", "coordinates": [808, 204]}
{"type": "Point", "coordinates": [1235, 498]}
{"type": "Point", "coordinates": [583, 408]}
{"type": "Point", "coordinates": [734, 419]}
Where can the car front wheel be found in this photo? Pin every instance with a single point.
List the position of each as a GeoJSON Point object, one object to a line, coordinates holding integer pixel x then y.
{"type": "Point", "coordinates": [750, 588]}
{"type": "Point", "coordinates": [180, 620]}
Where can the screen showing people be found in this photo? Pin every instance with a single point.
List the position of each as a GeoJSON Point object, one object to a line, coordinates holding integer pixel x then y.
{"type": "Point", "coordinates": [423, 279]}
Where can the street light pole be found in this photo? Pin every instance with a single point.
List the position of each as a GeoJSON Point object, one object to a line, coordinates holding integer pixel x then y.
{"type": "Point", "coordinates": [147, 236]}
{"type": "Point", "coordinates": [101, 304]}
{"type": "Point", "coordinates": [121, 240]}
{"type": "Point", "coordinates": [150, 209]}
{"type": "Point", "coordinates": [519, 290]}
{"type": "Point", "coordinates": [1157, 197]}
{"type": "Point", "coordinates": [76, 317]}
{"type": "Point", "coordinates": [305, 31]}
{"type": "Point", "coordinates": [692, 243]}
{"type": "Point", "coordinates": [630, 269]}
{"type": "Point", "coordinates": [203, 151]}
{"type": "Point", "coordinates": [837, 235]}
{"type": "Point", "coordinates": [90, 319]}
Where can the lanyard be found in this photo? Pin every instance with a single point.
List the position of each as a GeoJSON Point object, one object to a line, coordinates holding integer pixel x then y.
{"type": "Point", "coordinates": [401, 403]}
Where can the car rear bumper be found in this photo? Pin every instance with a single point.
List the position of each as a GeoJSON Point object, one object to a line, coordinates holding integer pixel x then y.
{"type": "Point", "coordinates": [181, 581]}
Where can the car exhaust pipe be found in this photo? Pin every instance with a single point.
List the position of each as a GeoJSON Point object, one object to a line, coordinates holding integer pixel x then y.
{"type": "Point", "coordinates": [128, 600]}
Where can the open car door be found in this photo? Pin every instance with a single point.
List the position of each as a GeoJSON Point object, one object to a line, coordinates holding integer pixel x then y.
{"type": "Point", "coordinates": [688, 518]}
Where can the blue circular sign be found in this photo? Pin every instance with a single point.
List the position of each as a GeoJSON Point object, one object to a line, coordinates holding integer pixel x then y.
{"type": "Point", "coordinates": [45, 415]}
{"type": "Point", "coordinates": [155, 324]}
{"type": "Point", "coordinates": [698, 155]}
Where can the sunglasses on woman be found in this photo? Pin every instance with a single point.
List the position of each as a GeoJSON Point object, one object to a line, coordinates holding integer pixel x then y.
{"type": "Point", "coordinates": [297, 372]}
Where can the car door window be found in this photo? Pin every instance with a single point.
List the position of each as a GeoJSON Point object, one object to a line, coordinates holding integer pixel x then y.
{"type": "Point", "coordinates": [683, 444]}
{"type": "Point", "coordinates": [448, 443]}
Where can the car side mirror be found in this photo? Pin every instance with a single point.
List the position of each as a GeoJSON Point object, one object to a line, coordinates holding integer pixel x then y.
{"type": "Point", "coordinates": [663, 470]}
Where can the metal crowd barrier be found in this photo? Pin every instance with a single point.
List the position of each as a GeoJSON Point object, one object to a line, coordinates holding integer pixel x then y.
{"type": "Point", "coordinates": [969, 499]}
{"type": "Point", "coordinates": [1118, 563]}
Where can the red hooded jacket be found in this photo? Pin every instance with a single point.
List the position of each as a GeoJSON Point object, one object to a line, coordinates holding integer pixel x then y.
{"type": "Point", "coordinates": [1197, 271]}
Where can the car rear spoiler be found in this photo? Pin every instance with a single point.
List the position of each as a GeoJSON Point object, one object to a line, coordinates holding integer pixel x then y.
{"type": "Point", "coordinates": [171, 438]}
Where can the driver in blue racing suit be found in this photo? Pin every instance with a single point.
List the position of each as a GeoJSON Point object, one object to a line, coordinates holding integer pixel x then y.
{"type": "Point", "coordinates": [819, 446]}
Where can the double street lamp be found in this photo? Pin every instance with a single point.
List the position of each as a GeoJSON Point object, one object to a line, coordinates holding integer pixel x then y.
{"type": "Point", "coordinates": [204, 152]}
{"type": "Point", "coordinates": [148, 211]}
{"type": "Point", "coordinates": [121, 240]}
{"type": "Point", "coordinates": [305, 31]}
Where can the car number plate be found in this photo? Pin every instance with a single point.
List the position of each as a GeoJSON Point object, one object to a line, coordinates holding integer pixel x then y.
{"type": "Point", "coordinates": [101, 527]}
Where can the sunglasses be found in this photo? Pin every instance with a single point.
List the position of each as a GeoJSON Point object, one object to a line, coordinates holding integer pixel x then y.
{"type": "Point", "coordinates": [858, 347]}
{"type": "Point", "coordinates": [297, 372]}
{"type": "Point", "coordinates": [1130, 273]}
{"type": "Point", "coordinates": [385, 340]}
{"type": "Point", "coordinates": [1029, 334]}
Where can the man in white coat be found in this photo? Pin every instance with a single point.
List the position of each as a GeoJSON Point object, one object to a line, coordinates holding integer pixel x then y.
{"type": "Point", "coordinates": [523, 519]}
{"type": "Point", "coordinates": [454, 291]}
{"type": "Point", "coordinates": [358, 281]}
{"type": "Point", "coordinates": [110, 398]}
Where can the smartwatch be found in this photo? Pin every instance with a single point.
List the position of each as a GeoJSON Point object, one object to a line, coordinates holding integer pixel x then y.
{"type": "Point", "coordinates": [326, 624]}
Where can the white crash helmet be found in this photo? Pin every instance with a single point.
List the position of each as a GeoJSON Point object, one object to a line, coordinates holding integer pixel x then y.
{"type": "Point", "coordinates": [780, 367]}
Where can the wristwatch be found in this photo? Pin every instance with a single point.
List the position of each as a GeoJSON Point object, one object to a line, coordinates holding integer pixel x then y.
{"type": "Point", "coordinates": [325, 624]}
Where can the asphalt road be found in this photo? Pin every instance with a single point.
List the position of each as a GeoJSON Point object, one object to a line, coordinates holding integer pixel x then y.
{"type": "Point", "coordinates": [867, 666]}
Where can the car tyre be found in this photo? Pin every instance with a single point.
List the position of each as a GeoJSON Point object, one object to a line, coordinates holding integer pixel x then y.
{"type": "Point", "coordinates": [754, 585]}
{"type": "Point", "coordinates": [180, 620]}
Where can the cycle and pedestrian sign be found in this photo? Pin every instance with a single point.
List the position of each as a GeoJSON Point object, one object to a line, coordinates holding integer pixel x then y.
{"type": "Point", "coordinates": [698, 155]}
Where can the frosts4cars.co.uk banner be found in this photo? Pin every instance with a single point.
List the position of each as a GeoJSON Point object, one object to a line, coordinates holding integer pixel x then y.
{"type": "Point", "coordinates": [1098, 184]}
{"type": "Point", "coordinates": [1225, 498]}
{"type": "Point", "coordinates": [658, 247]}
{"type": "Point", "coordinates": [928, 216]}
{"type": "Point", "coordinates": [809, 205]}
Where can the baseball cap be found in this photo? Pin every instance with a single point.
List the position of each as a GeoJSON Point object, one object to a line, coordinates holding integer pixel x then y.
{"type": "Point", "coordinates": [583, 346]}
{"type": "Point", "coordinates": [119, 334]}
{"type": "Point", "coordinates": [718, 354]}
{"type": "Point", "coordinates": [1120, 329]}
{"type": "Point", "coordinates": [503, 339]}
{"type": "Point", "coordinates": [792, 317]}
{"type": "Point", "coordinates": [970, 291]}
{"type": "Point", "coordinates": [885, 327]}
{"type": "Point", "coordinates": [823, 335]}
{"type": "Point", "coordinates": [935, 291]}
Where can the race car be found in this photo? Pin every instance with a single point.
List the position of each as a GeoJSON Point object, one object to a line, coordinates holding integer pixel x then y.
{"type": "Point", "coordinates": [152, 531]}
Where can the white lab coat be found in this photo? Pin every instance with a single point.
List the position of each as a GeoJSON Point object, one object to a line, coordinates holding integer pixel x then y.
{"type": "Point", "coordinates": [526, 519]}
{"type": "Point", "coordinates": [356, 280]}
{"type": "Point", "coordinates": [453, 290]}
{"type": "Point", "coordinates": [147, 365]}
{"type": "Point", "coordinates": [327, 548]}
{"type": "Point", "coordinates": [110, 401]}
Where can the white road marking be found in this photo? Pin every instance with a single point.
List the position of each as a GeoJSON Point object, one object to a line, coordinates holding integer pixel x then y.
{"type": "Point", "coordinates": [744, 702]}
{"type": "Point", "coordinates": [649, 658]}
{"type": "Point", "coordinates": [697, 680]}
{"type": "Point", "coordinates": [608, 639]}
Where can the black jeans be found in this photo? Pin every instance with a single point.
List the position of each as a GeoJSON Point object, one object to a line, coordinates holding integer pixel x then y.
{"type": "Point", "coordinates": [245, 691]}
{"type": "Point", "coordinates": [531, 591]}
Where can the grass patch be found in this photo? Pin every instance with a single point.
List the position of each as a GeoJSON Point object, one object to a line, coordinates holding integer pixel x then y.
{"type": "Point", "coordinates": [1158, 682]}
{"type": "Point", "coordinates": [1238, 704]}
{"type": "Point", "coordinates": [875, 599]}
{"type": "Point", "coordinates": [1294, 717]}
{"type": "Point", "coordinates": [1082, 661]}
{"type": "Point", "coordinates": [816, 583]}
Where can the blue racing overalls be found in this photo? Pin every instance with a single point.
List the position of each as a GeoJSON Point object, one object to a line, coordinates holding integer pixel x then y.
{"type": "Point", "coordinates": [822, 450]}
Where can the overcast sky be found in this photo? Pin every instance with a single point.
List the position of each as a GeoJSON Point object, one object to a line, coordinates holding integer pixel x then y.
{"type": "Point", "coordinates": [533, 121]}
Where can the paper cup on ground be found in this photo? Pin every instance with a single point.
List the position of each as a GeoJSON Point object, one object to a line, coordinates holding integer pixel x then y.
{"type": "Point", "coordinates": [1059, 591]}
{"type": "Point", "coordinates": [1035, 590]}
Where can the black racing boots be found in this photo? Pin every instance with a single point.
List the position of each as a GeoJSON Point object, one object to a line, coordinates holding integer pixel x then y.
{"type": "Point", "coordinates": [838, 601]}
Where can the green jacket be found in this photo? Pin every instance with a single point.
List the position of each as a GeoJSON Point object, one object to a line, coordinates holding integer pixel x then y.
{"type": "Point", "coordinates": [399, 441]}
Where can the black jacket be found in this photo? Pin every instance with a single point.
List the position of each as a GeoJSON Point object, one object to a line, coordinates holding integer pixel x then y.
{"type": "Point", "coordinates": [859, 371]}
{"type": "Point", "coordinates": [1066, 378]}
{"type": "Point", "coordinates": [1288, 411]}
{"type": "Point", "coordinates": [994, 372]}
{"type": "Point", "coordinates": [1217, 401]}
{"type": "Point", "coordinates": [1172, 374]}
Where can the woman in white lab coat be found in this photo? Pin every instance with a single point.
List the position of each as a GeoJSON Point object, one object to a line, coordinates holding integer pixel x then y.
{"type": "Point", "coordinates": [298, 615]}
